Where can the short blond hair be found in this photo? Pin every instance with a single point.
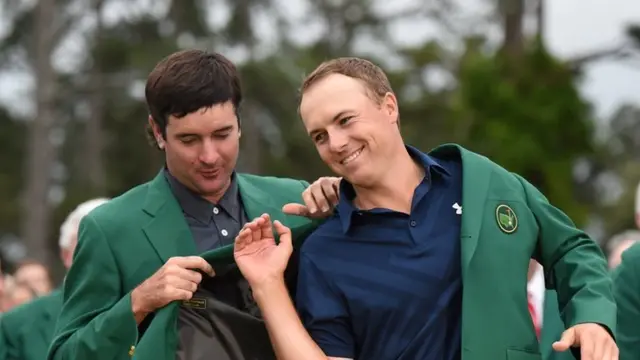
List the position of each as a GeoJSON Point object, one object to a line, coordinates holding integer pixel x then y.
{"type": "Point", "coordinates": [373, 78]}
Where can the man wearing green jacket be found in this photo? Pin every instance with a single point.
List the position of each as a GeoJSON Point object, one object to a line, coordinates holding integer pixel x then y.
{"type": "Point", "coordinates": [27, 330]}
{"type": "Point", "coordinates": [626, 285]}
{"type": "Point", "coordinates": [427, 256]}
{"type": "Point", "coordinates": [140, 252]}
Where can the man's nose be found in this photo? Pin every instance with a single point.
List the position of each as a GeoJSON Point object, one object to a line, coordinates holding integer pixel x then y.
{"type": "Point", "coordinates": [338, 141]}
{"type": "Point", "coordinates": [209, 153]}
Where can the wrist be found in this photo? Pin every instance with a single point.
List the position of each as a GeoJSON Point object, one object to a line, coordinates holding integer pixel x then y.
{"type": "Point", "coordinates": [139, 313]}
{"type": "Point", "coordinates": [269, 289]}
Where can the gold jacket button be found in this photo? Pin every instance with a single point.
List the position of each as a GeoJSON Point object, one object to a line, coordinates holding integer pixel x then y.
{"type": "Point", "coordinates": [132, 350]}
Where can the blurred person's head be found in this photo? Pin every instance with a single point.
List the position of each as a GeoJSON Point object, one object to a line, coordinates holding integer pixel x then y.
{"type": "Point", "coordinates": [351, 114]}
{"type": "Point", "coordinates": [69, 229]}
{"type": "Point", "coordinates": [34, 275]}
{"type": "Point", "coordinates": [193, 99]}
{"type": "Point", "coordinates": [15, 294]}
{"type": "Point", "coordinates": [618, 244]}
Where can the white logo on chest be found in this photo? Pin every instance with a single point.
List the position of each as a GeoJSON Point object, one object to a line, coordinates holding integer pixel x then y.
{"type": "Point", "coordinates": [458, 208]}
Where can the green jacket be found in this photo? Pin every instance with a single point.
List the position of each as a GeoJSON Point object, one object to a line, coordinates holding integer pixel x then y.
{"type": "Point", "coordinates": [3, 345]}
{"type": "Point", "coordinates": [626, 288]}
{"type": "Point", "coordinates": [505, 222]}
{"type": "Point", "coordinates": [27, 330]}
{"type": "Point", "coordinates": [124, 242]}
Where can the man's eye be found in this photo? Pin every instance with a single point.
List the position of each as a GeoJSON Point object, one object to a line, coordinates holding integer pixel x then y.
{"type": "Point", "coordinates": [345, 120]}
{"type": "Point", "coordinates": [319, 138]}
{"type": "Point", "coordinates": [221, 136]}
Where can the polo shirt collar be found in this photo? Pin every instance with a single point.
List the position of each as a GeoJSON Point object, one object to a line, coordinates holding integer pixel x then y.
{"type": "Point", "coordinates": [346, 209]}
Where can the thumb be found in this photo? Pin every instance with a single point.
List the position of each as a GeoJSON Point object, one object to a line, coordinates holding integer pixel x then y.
{"type": "Point", "coordinates": [566, 341]}
{"type": "Point", "coordinates": [295, 209]}
{"type": "Point", "coordinates": [284, 233]}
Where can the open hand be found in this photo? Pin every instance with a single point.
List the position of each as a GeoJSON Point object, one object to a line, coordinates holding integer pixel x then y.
{"type": "Point", "coordinates": [257, 255]}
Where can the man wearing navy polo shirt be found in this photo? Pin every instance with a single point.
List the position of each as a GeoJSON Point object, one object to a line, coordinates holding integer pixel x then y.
{"type": "Point", "coordinates": [426, 257]}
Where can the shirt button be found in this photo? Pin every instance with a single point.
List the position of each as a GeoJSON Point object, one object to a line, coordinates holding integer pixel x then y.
{"type": "Point", "coordinates": [224, 232]}
{"type": "Point", "coordinates": [413, 223]}
{"type": "Point", "coordinates": [215, 210]}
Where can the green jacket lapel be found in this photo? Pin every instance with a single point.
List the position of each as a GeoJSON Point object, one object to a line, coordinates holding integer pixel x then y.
{"type": "Point", "coordinates": [257, 201]}
{"type": "Point", "coordinates": [167, 230]}
{"type": "Point", "coordinates": [476, 177]}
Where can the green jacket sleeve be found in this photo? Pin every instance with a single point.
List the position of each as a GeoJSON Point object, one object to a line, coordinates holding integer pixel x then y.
{"type": "Point", "coordinates": [626, 286]}
{"type": "Point", "coordinates": [3, 343]}
{"type": "Point", "coordinates": [574, 265]}
{"type": "Point", "coordinates": [96, 321]}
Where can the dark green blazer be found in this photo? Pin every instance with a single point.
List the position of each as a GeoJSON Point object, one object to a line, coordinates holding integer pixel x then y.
{"type": "Point", "coordinates": [626, 286]}
{"type": "Point", "coordinates": [126, 240]}
{"type": "Point", "coordinates": [28, 329]}
{"type": "Point", "coordinates": [3, 345]}
{"type": "Point", "coordinates": [505, 222]}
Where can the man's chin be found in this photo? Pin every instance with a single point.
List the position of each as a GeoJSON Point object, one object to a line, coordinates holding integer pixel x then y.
{"type": "Point", "coordinates": [212, 188]}
{"type": "Point", "coordinates": [357, 178]}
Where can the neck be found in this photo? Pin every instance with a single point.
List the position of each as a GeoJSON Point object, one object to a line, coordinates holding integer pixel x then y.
{"type": "Point", "coordinates": [394, 191]}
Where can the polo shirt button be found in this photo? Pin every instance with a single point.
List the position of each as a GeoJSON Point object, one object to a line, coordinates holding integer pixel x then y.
{"type": "Point", "coordinates": [413, 223]}
{"type": "Point", "coordinates": [224, 232]}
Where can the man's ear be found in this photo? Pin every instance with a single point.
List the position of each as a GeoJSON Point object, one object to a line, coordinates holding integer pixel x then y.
{"type": "Point", "coordinates": [390, 106]}
{"type": "Point", "coordinates": [156, 133]}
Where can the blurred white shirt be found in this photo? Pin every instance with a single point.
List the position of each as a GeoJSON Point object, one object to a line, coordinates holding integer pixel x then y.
{"type": "Point", "coordinates": [536, 291]}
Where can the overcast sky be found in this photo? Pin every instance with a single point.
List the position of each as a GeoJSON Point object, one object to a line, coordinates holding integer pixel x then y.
{"type": "Point", "coordinates": [576, 26]}
{"type": "Point", "coordinates": [573, 27]}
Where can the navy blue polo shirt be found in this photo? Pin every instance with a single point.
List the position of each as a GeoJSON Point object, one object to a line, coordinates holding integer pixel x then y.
{"type": "Point", "coordinates": [381, 284]}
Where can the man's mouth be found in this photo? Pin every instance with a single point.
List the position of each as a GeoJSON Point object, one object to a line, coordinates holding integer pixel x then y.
{"type": "Point", "coordinates": [209, 173]}
{"type": "Point", "coordinates": [354, 155]}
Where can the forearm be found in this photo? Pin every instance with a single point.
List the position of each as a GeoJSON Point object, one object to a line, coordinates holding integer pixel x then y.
{"type": "Point", "coordinates": [574, 265]}
{"type": "Point", "coordinates": [289, 338]}
{"type": "Point", "coordinates": [584, 287]}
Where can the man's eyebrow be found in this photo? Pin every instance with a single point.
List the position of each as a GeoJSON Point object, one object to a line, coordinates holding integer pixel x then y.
{"type": "Point", "coordinates": [185, 134]}
{"type": "Point", "coordinates": [335, 118]}
{"type": "Point", "coordinates": [224, 129]}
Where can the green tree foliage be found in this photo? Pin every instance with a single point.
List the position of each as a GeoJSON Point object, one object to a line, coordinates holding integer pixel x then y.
{"type": "Point", "coordinates": [525, 113]}
{"type": "Point", "coordinates": [527, 116]}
